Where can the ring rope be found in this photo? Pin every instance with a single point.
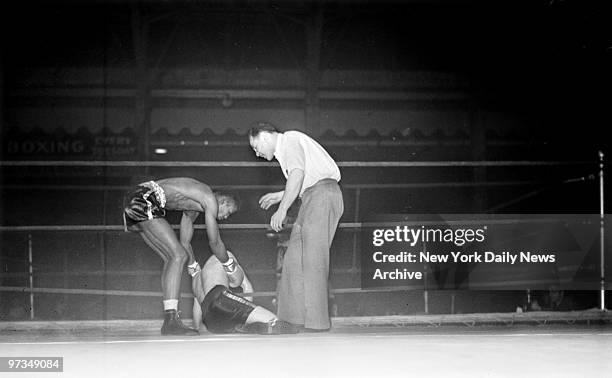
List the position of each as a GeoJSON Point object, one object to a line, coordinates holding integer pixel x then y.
{"type": "Point", "coordinates": [266, 226]}
{"type": "Point", "coordinates": [133, 293]}
{"type": "Point", "coordinates": [360, 164]}
{"type": "Point", "coordinates": [273, 187]}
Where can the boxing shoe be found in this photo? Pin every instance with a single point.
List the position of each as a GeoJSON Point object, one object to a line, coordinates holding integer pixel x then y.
{"type": "Point", "coordinates": [174, 326]}
{"type": "Point", "coordinates": [280, 327]}
{"type": "Point", "coordinates": [273, 327]}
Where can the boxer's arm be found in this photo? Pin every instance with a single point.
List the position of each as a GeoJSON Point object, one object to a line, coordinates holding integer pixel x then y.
{"type": "Point", "coordinates": [247, 287]}
{"type": "Point", "coordinates": [234, 272]}
{"type": "Point", "coordinates": [212, 231]}
{"type": "Point", "coordinates": [186, 233]}
{"type": "Point", "coordinates": [196, 287]}
{"type": "Point", "coordinates": [197, 314]}
{"type": "Point", "coordinates": [245, 284]}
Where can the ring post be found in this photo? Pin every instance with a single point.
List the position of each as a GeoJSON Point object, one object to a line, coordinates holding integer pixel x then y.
{"type": "Point", "coordinates": [31, 272]}
{"type": "Point", "coordinates": [602, 293]}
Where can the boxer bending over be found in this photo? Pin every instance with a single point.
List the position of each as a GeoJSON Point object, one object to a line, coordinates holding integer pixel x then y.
{"type": "Point", "coordinates": [145, 209]}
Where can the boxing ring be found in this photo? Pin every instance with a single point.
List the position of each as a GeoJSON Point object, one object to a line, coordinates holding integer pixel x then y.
{"type": "Point", "coordinates": [426, 343]}
{"type": "Point", "coordinates": [129, 349]}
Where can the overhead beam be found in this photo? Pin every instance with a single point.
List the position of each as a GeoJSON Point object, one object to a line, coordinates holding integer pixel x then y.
{"type": "Point", "coordinates": [243, 94]}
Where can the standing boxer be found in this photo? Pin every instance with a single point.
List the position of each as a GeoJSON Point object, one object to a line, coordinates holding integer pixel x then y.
{"type": "Point", "coordinates": [145, 208]}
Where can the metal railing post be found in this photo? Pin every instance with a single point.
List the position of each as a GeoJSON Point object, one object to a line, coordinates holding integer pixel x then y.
{"type": "Point", "coordinates": [31, 274]}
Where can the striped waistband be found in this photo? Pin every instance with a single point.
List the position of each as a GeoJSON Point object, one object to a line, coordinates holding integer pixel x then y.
{"type": "Point", "coordinates": [159, 192]}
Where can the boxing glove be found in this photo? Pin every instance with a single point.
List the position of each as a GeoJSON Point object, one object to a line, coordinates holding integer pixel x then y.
{"type": "Point", "coordinates": [234, 272]}
{"type": "Point", "coordinates": [193, 269]}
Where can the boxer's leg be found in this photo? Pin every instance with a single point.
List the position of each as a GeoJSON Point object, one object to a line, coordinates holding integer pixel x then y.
{"type": "Point", "coordinates": [226, 312]}
{"type": "Point", "coordinates": [158, 234]}
{"type": "Point", "coordinates": [261, 315]}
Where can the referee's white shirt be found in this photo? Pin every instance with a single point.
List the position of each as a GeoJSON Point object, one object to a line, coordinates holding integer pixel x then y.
{"type": "Point", "coordinates": [295, 149]}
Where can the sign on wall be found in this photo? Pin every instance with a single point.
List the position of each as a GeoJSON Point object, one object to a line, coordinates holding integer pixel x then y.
{"type": "Point", "coordinates": [37, 144]}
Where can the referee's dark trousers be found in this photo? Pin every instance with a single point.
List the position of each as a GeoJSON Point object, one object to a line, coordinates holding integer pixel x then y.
{"type": "Point", "coordinates": [303, 287]}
